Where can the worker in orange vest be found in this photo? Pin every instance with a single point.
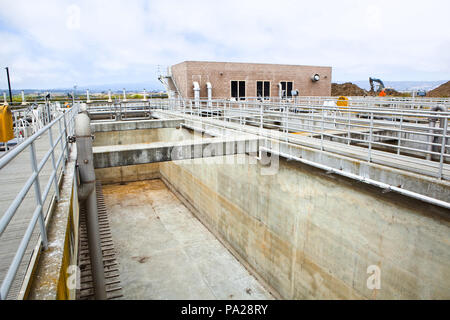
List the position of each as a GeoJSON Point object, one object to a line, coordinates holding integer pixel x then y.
{"type": "Point", "coordinates": [382, 93]}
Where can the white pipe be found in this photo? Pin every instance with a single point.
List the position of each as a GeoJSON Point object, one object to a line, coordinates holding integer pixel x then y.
{"type": "Point", "coordinates": [124, 95]}
{"type": "Point", "coordinates": [209, 89]}
{"type": "Point", "coordinates": [382, 185]}
{"type": "Point", "coordinates": [109, 96]}
{"type": "Point", "coordinates": [87, 194]}
{"type": "Point", "coordinates": [23, 98]}
{"type": "Point", "coordinates": [196, 94]}
{"type": "Point", "coordinates": [88, 100]}
{"type": "Point", "coordinates": [145, 95]}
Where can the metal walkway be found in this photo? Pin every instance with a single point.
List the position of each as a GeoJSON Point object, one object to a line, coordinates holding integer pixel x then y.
{"type": "Point", "coordinates": [11, 181]}
{"type": "Point", "coordinates": [36, 163]}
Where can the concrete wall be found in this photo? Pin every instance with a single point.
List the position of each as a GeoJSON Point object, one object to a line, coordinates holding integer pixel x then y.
{"type": "Point", "coordinates": [138, 172]}
{"type": "Point", "coordinates": [220, 74]}
{"type": "Point", "coordinates": [312, 236]}
{"type": "Point", "coordinates": [109, 138]}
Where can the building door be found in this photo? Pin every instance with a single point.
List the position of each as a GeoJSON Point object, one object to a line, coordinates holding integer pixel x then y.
{"type": "Point", "coordinates": [238, 90]}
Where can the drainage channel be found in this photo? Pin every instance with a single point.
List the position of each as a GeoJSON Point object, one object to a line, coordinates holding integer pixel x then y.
{"type": "Point", "coordinates": [112, 275]}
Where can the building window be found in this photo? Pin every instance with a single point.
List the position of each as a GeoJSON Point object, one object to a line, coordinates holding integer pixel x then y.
{"type": "Point", "coordinates": [238, 90]}
{"type": "Point", "coordinates": [286, 89]}
{"type": "Point", "coordinates": [263, 89]}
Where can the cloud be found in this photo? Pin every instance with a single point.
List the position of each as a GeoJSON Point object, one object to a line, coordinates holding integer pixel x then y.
{"type": "Point", "coordinates": [59, 43]}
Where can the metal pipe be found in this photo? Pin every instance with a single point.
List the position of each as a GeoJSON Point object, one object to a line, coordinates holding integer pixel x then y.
{"type": "Point", "coordinates": [87, 193]}
{"type": "Point", "coordinates": [9, 85]}
{"type": "Point", "coordinates": [23, 98]}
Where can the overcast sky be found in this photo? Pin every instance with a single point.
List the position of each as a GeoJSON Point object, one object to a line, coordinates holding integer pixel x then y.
{"type": "Point", "coordinates": [59, 43]}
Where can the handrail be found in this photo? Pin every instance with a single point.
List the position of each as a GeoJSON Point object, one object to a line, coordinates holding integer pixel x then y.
{"type": "Point", "coordinates": [65, 123]}
{"type": "Point", "coordinates": [406, 132]}
{"type": "Point", "coordinates": [369, 123]}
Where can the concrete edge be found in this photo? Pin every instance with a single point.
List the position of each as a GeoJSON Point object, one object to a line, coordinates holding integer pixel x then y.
{"type": "Point", "coordinates": [106, 126]}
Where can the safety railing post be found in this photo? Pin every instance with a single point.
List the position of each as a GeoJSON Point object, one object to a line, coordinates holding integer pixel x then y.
{"type": "Point", "coordinates": [55, 169]}
{"type": "Point", "coordinates": [261, 116]}
{"type": "Point", "coordinates": [349, 125]}
{"type": "Point", "coordinates": [66, 134]}
{"type": "Point", "coordinates": [400, 134]}
{"type": "Point", "coordinates": [240, 113]}
{"type": "Point", "coordinates": [37, 191]}
{"type": "Point", "coordinates": [370, 138]}
{"type": "Point", "coordinates": [287, 123]}
{"type": "Point", "coordinates": [61, 142]}
{"type": "Point", "coordinates": [443, 147]}
{"type": "Point", "coordinates": [322, 128]}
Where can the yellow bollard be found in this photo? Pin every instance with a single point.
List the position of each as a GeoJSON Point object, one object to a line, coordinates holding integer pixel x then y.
{"type": "Point", "coordinates": [6, 124]}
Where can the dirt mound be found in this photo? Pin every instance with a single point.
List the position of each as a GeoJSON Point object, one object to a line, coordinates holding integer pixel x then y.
{"type": "Point", "coordinates": [395, 93]}
{"type": "Point", "coordinates": [350, 89]}
{"type": "Point", "coordinates": [443, 91]}
{"type": "Point", "coordinates": [347, 89]}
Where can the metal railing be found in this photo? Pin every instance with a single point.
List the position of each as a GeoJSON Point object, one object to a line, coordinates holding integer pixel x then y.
{"type": "Point", "coordinates": [369, 124]}
{"type": "Point", "coordinates": [416, 133]}
{"type": "Point", "coordinates": [65, 123]}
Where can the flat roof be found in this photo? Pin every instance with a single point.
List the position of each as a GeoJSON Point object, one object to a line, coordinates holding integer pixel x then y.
{"type": "Point", "coordinates": [255, 63]}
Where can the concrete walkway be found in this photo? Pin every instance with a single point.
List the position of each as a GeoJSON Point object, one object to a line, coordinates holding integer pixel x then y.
{"type": "Point", "coordinates": [164, 252]}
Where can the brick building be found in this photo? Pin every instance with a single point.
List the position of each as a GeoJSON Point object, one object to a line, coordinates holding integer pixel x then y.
{"type": "Point", "coordinates": [231, 80]}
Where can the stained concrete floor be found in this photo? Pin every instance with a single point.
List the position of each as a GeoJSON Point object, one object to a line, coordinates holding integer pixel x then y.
{"type": "Point", "coordinates": [164, 252]}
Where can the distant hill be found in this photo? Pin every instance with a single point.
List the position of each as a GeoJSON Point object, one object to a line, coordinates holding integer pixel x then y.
{"type": "Point", "coordinates": [150, 86]}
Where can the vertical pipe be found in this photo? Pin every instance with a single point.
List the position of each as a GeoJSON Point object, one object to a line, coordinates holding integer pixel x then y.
{"type": "Point", "coordinates": [87, 193]}
{"type": "Point", "coordinates": [109, 96]}
{"type": "Point", "coordinates": [145, 95]}
{"type": "Point", "coordinates": [9, 85]}
{"type": "Point", "coordinates": [23, 98]}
